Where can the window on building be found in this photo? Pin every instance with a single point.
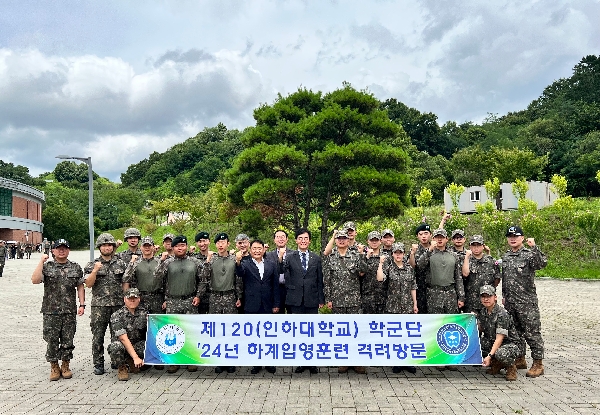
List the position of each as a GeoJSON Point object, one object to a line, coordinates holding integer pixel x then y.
{"type": "Point", "coordinates": [475, 196]}
{"type": "Point", "coordinates": [5, 202]}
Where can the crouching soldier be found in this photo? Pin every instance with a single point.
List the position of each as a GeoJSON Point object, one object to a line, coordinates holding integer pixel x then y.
{"type": "Point", "coordinates": [129, 338]}
{"type": "Point", "coordinates": [499, 338]}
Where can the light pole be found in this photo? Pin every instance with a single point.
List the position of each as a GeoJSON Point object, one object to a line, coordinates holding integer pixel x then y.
{"type": "Point", "coordinates": [88, 161]}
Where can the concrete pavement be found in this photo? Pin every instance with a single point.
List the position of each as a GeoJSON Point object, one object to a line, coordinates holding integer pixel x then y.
{"type": "Point", "coordinates": [570, 314]}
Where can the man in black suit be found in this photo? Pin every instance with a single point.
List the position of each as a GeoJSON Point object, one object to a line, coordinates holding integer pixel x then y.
{"type": "Point", "coordinates": [280, 238]}
{"type": "Point", "coordinates": [303, 280]}
{"type": "Point", "coordinates": [261, 285]}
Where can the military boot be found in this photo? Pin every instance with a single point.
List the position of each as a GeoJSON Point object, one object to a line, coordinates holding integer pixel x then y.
{"type": "Point", "coordinates": [537, 369]}
{"type": "Point", "coordinates": [495, 367]}
{"type": "Point", "coordinates": [54, 371]}
{"type": "Point", "coordinates": [66, 372]}
{"type": "Point", "coordinates": [511, 372]}
{"type": "Point", "coordinates": [343, 369]}
{"type": "Point", "coordinates": [360, 370]}
{"type": "Point", "coordinates": [123, 373]}
{"type": "Point", "coordinates": [521, 363]}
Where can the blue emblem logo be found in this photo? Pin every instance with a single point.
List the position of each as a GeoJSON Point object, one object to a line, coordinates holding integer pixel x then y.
{"type": "Point", "coordinates": [452, 339]}
{"type": "Point", "coordinates": [170, 339]}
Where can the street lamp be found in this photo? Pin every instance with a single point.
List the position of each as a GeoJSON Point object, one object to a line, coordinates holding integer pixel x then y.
{"type": "Point", "coordinates": [88, 161]}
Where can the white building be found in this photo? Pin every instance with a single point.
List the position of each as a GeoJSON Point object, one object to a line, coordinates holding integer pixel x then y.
{"type": "Point", "coordinates": [539, 192]}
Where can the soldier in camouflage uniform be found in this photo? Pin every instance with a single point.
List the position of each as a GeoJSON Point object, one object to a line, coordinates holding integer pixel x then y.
{"type": "Point", "coordinates": [445, 290]}
{"type": "Point", "coordinates": [28, 250]}
{"type": "Point", "coordinates": [62, 280]}
{"type": "Point", "coordinates": [105, 276]}
{"type": "Point", "coordinates": [202, 243]}
{"type": "Point", "coordinates": [520, 297]}
{"type": "Point", "coordinates": [341, 282]}
{"type": "Point", "coordinates": [3, 252]}
{"type": "Point", "coordinates": [46, 245]}
{"type": "Point", "coordinates": [387, 241]}
{"type": "Point", "coordinates": [225, 286]}
{"type": "Point", "coordinates": [401, 289]}
{"type": "Point", "coordinates": [181, 276]}
{"type": "Point", "coordinates": [349, 228]}
{"type": "Point", "coordinates": [128, 341]}
{"type": "Point", "coordinates": [423, 233]}
{"type": "Point", "coordinates": [498, 336]}
{"type": "Point", "coordinates": [168, 243]}
{"type": "Point", "coordinates": [478, 269]}
{"type": "Point", "coordinates": [374, 292]}
{"type": "Point", "coordinates": [132, 236]}
{"type": "Point", "coordinates": [140, 274]}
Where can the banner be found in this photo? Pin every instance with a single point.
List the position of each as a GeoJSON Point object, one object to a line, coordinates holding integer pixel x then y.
{"type": "Point", "coordinates": [312, 339]}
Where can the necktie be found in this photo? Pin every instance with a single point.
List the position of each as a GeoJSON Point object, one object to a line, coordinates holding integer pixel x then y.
{"type": "Point", "coordinates": [304, 260]}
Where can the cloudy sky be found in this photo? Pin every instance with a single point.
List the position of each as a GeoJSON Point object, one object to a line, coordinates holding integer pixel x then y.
{"type": "Point", "coordinates": [118, 79]}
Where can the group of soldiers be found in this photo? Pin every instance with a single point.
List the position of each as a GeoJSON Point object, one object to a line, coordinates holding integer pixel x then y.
{"type": "Point", "coordinates": [348, 278]}
{"type": "Point", "coordinates": [16, 250]}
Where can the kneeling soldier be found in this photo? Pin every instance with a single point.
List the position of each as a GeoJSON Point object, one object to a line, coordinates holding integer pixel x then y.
{"type": "Point", "coordinates": [129, 338]}
{"type": "Point", "coordinates": [499, 338]}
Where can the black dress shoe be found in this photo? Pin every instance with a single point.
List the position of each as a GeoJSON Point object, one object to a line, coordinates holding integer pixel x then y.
{"type": "Point", "coordinates": [231, 369]}
{"type": "Point", "coordinates": [411, 369]}
{"type": "Point", "coordinates": [218, 369]}
{"type": "Point", "coordinates": [270, 369]}
{"type": "Point", "coordinates": [313, 370]}
{"type": "Point", "coordinates": [255, 369]}
{"type": "Point", "coordinates": [396, 369]}
{"type": "Point", "coordinates": [300, 369]}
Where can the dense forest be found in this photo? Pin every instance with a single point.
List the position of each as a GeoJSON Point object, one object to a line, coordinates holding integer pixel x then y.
{"type": "Point", "coordinates": [334, 156]}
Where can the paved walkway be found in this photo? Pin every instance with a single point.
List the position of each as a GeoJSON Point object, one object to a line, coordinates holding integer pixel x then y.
{"type": "Point", "coordinates": [570, 314]}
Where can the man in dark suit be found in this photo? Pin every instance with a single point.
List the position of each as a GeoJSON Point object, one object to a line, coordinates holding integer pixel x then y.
{"type": "Point", "coordinates": [280, 238]}
{"type": "Point", "coordinates": [261, 285]}
{"type": "Point", "coordinates": [303, 280]}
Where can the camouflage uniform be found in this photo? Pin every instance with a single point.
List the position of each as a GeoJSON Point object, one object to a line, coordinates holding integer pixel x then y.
{"type": "Point", "coordinates": [444, 282]}
{"type": "Point", "coordinates": [28, 250]}
{"type": "Point", "coordinates": [47, 247]}
{"type": "Point", "coordinates": [518, 290]}
{"type": "Point", "coordinates": [59, 308]}
{"type": "Point", "coordinates": [400, 283]}
{"type": "Point", "coordinates": [181, 283]}
{"type": "Point", "coordinates": [134, 325]}
{"type": "Point", "coordinates": [499, 322]}
{"type": "Point", "coordinates": [483, 271]}
{"type": "Point", "coordinates": [107, 297]}
{"type": "Point", "coordinates": [205, 299]}
{"type": "Point", "coordinates": [126, 255]}
{"type": "Point", "coordinates": [421, 276]}
{"type": "Point", "coordinates": [140, 274]}
{"type": "Point", "coordinates": [341, 281]}
{"type": "Point", "coordinates": [374, 292]}
{"type": "Point", "coordinates": [461, 254]}
{"type": "Point", "coordinates": [225, 286]}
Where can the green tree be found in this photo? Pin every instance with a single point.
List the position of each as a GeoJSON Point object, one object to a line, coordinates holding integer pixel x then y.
{"type": "Point", "coordinates": [332, 155]}
{"type": "Point", "coordinates": [18, 173]}
{"type": "Point", "coordinates": [60, 221]}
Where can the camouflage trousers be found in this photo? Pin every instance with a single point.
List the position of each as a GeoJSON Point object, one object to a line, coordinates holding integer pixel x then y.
{"type": "Point", "coordinates": [153, 303]}
{"type": "Point", "coordinates": [204, 302]}
{"type": "Point", "coordinates": [59, 331]}
{"type": "Point", "coordinates": [441, 300]}
{"type": "Point", "coordinates": [422, 296]}
{"type": "Point", "coordinates": [118, 353]}
{"type": "Point", "coordinates": [181, 306]}
{"type": "Point", "coordinates": [370, 307]}
{"type": "Point", "coordinates": [99, 322]}
{"type": "Point", "coordinates": [1, 268]}
{"type": "Point", "coordinates": [472, 303]}
{"type": "Point", "coordinates": [529, 326]}
{"type": "Point", "coordinates": [346, 310]}
{"type": "Point", "coordinates": [506, 353]}
{"type": "Point", "coordinates": [222, 303]}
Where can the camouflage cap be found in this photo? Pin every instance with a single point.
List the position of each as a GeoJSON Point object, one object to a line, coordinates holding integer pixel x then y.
{"type": "Point", "coordinates": [341, 234]}
{"type": "Point", "coordinates": [242, 237]}
{"type": "Point", "coordinates": [441, 232]}
{"type": "Point", "coordinates": [374, 235]}
{"type": "Point", "coordinates": [132, 232]}
{"type": "Point", "coordinates": [398, 246]}
{"type": "Point", "coordinates": [168, 236]}
{"type": "Point", "coordinates": [476, 239]}
{"type": "Point", "coordinates": [132, 293]}
{"type": "Point", "coordinates": [458, 232]}
{"type": "Point", "coordinates": [60, 242]}
{"type": "Point", "coordinates": [350, 225]}
{"type": "Point", "coordinates": [387, 232]}
{"type": "Point", "coordinates": [514, 230]}
{"type": "Point", "coordinates": [487, 289]}
{"type": "Point", "coordinates": [147, 240]}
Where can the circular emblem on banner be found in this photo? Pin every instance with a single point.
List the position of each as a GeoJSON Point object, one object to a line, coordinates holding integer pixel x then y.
{"type": "Point", "coordinates": [452, 339]}
{"type": "Point", "coordinates": [170, 339]}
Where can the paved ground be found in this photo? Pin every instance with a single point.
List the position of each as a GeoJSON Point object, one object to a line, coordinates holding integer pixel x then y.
{"type": "Point", "coordinates": [570, 313]}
